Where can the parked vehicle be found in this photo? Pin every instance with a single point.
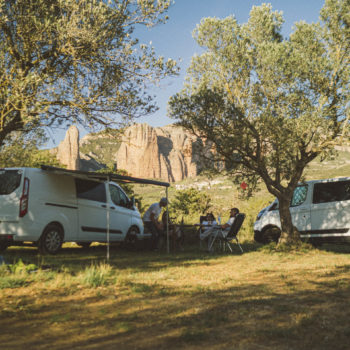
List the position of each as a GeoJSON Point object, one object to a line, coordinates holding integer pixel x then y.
{"type": "Point", "coordinates": [46, 209]}
{"type": "Point", "coordinates": [320, 210]}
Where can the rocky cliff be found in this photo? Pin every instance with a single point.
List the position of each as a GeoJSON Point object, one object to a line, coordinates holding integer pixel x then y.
{"type": "Point", "coordinates": [67, 151]}
{"type": "Point", "coordinates": [162, 153]}
{"type": "Point", "coordinates": [167, 153]}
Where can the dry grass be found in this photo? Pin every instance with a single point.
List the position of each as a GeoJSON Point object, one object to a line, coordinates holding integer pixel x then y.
{"type": "Point", "coordinates": [142, 300]}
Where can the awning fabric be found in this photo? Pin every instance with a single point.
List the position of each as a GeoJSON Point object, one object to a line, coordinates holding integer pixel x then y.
{"type": "Point", "coordinates": [101, 176]}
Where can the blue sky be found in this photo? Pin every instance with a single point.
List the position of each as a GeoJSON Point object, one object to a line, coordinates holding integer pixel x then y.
{"type": "Point", "coordinates": [174, 39]}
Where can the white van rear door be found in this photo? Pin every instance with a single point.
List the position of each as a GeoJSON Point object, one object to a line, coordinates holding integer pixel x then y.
{"type": "Point", "coordinates": [10, 193]}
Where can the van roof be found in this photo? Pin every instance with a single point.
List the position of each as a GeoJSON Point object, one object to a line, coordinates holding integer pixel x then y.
{"type": "Point", "coordinates": [335, 179]}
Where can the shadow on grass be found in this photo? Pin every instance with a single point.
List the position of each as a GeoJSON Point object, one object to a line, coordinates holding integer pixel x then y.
{"type": "Point", "coordinates": [336, 248]}
{"type": "Point", "coordinates": [77, 258]}
{"type": "Point", "coordinates": [247, 315]}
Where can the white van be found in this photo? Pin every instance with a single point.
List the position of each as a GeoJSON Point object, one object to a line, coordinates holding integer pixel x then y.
{"type": "Point", "coordinates": [320, 210]}
{"type": "Point", "coordinates": [47, 209]}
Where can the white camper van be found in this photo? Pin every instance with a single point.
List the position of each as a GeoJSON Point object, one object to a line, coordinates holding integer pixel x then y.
{"type": "Point", "coordinates": [320, 210]}
{"type": "Point", "coordinates": [49, 208]}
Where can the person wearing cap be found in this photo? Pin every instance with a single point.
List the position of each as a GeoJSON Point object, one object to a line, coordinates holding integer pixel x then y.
{"type": "Point", "coordinates": [150, 219]}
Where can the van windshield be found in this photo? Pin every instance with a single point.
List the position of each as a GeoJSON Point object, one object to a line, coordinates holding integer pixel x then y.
{"type": "Point", "coordinates": [9, 181]}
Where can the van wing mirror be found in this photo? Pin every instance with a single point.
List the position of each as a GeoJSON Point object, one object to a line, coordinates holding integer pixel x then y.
{"type": "Point", "coordinates": [131, 203]}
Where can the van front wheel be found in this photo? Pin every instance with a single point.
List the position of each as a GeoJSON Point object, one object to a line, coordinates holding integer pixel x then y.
{"type": "Point", "coordinates": [131, 237]}
{"type": "Point", "coordinates": [270, 234]}
{"type": "Point", "coordinates": [51, 240]}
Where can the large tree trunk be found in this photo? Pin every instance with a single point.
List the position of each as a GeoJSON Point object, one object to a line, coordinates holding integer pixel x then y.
{"type": "Point", "coordinates": [289, 234]}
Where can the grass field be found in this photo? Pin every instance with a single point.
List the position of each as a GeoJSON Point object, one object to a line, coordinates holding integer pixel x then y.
{"type": "Point", "coordinates": [262, 299]}
{"type": "Point", "coordinates": [142, 300]}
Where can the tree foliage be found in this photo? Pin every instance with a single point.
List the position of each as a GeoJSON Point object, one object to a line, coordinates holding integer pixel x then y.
{"type": "Point", "coordinates": [23, 150]}
{"type": "Point", "coordinates": [190, 201]}
{"type": "Point", "coordinates": [270, 105]}
{"type": "Point", "coordinates": [76, 60]}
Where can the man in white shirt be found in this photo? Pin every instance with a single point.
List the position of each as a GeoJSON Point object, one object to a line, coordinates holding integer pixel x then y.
{"type": "Point", "coordinates": [226, 227]}
{"type": "Point", "coordinates": [150, 219]}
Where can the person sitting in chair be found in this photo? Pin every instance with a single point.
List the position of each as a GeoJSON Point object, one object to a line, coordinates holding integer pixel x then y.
{"type": "Point", "coordinates": [207, 226]}
{"type": "Point", "coordinates": [223, 229]}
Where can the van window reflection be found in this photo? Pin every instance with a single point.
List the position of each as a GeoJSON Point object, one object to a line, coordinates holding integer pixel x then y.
{"type": "Point", "coordinates": [118, 197]}
{"type": "Point", "coordinates": [299, 196]}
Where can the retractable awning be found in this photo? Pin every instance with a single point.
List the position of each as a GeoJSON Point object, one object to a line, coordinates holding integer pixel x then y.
{"type": "Point", "coordinates": [101, 176]}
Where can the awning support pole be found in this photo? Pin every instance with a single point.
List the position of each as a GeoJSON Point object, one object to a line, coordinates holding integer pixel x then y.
{"type": "Point", "coordinates": [167, 221]}
{"type": "Point", "coordinates": [108, 217]}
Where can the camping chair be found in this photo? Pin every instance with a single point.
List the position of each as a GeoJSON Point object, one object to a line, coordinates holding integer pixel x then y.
{"type": "Point", "coordinates": [232, 234]}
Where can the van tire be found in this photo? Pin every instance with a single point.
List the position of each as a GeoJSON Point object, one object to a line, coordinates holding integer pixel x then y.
{"type": "Point", "coordinates": [51, 240]}
{"type": "Point", "coordinates": [270, 234]}
{"type": "Point", "coordinates": [131, 238]}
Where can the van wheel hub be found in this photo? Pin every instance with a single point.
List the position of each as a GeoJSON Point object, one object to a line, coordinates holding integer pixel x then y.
{"type": "Point", "coordinates": [51, 240]}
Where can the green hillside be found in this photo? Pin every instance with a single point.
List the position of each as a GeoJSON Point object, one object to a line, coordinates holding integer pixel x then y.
{"type": "Point", "coordinates": [102, 146]}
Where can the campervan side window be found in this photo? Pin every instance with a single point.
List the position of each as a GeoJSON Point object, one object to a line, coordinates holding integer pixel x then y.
{"type": "Point", "coordinates": [9, 181]}
{"type": "Point", "coordinates": [117, 196]}
{"type": "Point", "coordinates": [331, 192]}
{"type": "Point", "coordinates": [92, 190]}
{"type": "Point", "coordinates": [299, 195]}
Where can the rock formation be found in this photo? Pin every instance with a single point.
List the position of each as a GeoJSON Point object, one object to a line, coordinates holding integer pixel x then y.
{"type": "Point", "coordinates": [162, 153]}
{"type": "Point", "coordinates": [68, 149]}
{"type": "Point", "coordinates": [167, 153]}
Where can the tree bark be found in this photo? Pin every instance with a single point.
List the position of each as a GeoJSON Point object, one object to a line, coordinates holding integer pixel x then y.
{"type": "Point", "coordinates": [289, 233]}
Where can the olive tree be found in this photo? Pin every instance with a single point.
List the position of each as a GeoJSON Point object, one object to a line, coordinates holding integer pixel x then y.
{"type": "Point", "coordinates": [270, 105]}
{"type": "Point", "coordinates": [23, 150]}
{"type": "Point", "coordinates": [76, 61]}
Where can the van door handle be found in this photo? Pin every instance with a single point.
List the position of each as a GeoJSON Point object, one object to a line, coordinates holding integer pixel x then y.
{"type": "Point", "coordinates": [105, 206]}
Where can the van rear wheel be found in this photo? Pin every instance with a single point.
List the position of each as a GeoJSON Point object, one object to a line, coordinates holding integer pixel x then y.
{"type": "Point", "coordinates": [51, 240]}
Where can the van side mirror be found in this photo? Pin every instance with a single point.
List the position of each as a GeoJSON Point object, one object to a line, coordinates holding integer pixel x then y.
{"type": "Point", "coordinates": [131, 203]}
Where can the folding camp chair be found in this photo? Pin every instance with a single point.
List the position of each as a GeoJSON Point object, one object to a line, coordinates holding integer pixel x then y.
{"type": "Point", "coordinates": [232, 234]}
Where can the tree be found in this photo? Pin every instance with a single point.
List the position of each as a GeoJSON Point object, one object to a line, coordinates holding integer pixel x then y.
{"type": "Point", "coordinates": [77, 61]}
{"type": "Point", "coordinates": [190, 201]}
{"type": "Point", "coordinates": [23, 150]}
{"type": "Point", "coordinates": [270, 105]}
